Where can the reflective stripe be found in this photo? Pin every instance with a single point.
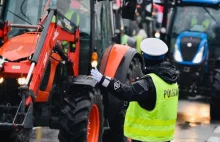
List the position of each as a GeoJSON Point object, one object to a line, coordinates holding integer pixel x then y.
{"type": "Point", "coordinates": [149, 133]}
{"type": "Point", "coordinates": [151, 122]}
{"type": "Point", "coordinates": [106, 82]}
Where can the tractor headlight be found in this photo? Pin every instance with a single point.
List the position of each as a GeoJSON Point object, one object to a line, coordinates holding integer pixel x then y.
{"type": "Point", "coordinates": [157, 35]}
{"type": "Point", "coordinates": [177, 54]}
{"type": "Point", "coordinates": [1, 80]}
{"type": "Point", "coordinates": [94, 63]}
{"type": "Point", "coordinates": [198, 57]}
{"type": "Point", "coordinates": [94, 60]}
{"type": "Point", "coordinates": [21, 81]}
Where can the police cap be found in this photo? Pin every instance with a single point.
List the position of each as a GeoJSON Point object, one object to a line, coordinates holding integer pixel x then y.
{"type": "Point", "coordinates": [153, 48]}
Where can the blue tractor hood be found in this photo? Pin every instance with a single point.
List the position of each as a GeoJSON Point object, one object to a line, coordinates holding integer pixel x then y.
{"type": "Point", "coordinates": [188, 45]}
{"type": "Point", "coordinates": [201, 35]}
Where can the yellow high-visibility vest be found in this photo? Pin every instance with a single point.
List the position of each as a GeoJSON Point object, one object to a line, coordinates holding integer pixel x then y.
{"type": "Point", "coordinates": [159, 123]}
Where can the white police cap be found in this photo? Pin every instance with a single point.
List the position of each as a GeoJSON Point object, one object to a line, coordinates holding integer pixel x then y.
{"type": "Point", "coordinates": [153, 47]}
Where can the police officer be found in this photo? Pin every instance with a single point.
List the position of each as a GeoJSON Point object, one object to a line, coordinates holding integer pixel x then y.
{"type": "Point", "coordinates": [153, 99]}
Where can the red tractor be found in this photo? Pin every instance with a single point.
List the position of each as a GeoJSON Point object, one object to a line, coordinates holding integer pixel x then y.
{"type": "Point", "coordinates": [47, 50]}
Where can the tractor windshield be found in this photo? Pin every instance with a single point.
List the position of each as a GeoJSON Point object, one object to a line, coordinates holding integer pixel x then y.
{"type": "Point", "coordinates": [198, 19]}
{"type": "Point", "coordinates": [30, 11]}
{"type": "Point", "coordinates": [24, 11]}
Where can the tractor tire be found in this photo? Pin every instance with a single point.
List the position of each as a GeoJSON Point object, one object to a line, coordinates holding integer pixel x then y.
{"type": "Point", "coordinates": [116, 132]}
{"type": "Point", "coordinates": [134, 71]}
{"type": "Point", "coordinates": [82, 117]}
{"type": "Point", "coordinates": [215, 97]}
{"type": "Point", "coordinates": [22, 135]}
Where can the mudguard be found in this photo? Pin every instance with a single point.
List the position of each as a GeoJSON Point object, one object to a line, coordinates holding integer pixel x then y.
{"type": "Point", "coordinates": [74, 81]}
{"type": "Point", "coordinates": [116, 61]}
{"type": "Point", "coordinates": [125, 63]}
{"type": "Point", "coordinates": [113, 57]}
{"type": "Point", "coordinates": [83, 80]}
{"type": "Point", "coordinates": [105, 60]}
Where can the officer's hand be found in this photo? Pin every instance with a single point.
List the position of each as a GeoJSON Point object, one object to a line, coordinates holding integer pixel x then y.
{"type": "Point", "coordinates": [96, 74]}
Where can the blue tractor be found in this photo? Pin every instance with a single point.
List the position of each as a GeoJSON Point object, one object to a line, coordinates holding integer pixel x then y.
{"type": "Point", "coordinates": [193, 35]}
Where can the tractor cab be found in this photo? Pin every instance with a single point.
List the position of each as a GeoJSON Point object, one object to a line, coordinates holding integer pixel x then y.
{"type": "Point", "coordinates": [203, 23]}
{"type": "Point", "coordinates": [95, 30]}
{"type": "Point", "coordinates": [192, 33]}
{"type": "Point", "coordinates": [47, 49]}
{"type": "Point", "coordinates": [30, 12]}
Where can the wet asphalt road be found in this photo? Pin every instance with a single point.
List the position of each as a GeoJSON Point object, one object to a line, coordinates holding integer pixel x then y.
{"type": "Point", "coordinates": [193, 125]}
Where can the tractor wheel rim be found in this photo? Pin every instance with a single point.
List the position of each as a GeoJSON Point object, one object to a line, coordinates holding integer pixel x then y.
{"type": "Point", "coordinates": [93, 127]}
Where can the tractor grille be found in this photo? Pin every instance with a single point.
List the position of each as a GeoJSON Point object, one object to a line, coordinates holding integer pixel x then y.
{"type": "Point", "coordinates": [188, 53]}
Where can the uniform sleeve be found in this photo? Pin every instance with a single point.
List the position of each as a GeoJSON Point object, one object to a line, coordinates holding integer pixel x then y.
{"type": "Point", "coordinates": [137, 91]}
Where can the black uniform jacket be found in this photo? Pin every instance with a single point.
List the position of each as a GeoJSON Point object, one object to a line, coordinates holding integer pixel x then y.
{"type": "Point", "coordinates": [143, 90]}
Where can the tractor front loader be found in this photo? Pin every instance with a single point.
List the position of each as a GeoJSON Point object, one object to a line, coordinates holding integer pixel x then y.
{"type": "Point", "coordinates": [45, 59]}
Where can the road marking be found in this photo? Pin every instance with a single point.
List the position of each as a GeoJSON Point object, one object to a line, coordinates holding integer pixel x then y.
{"type": "Point", "coordinates": [217, 130]}
{"type": "Point", "coordinates": [34, 128]}
{"type": "Point", "coordinates": [213, 139]}
{"type": "Point", "coordinates": [39, 133]}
